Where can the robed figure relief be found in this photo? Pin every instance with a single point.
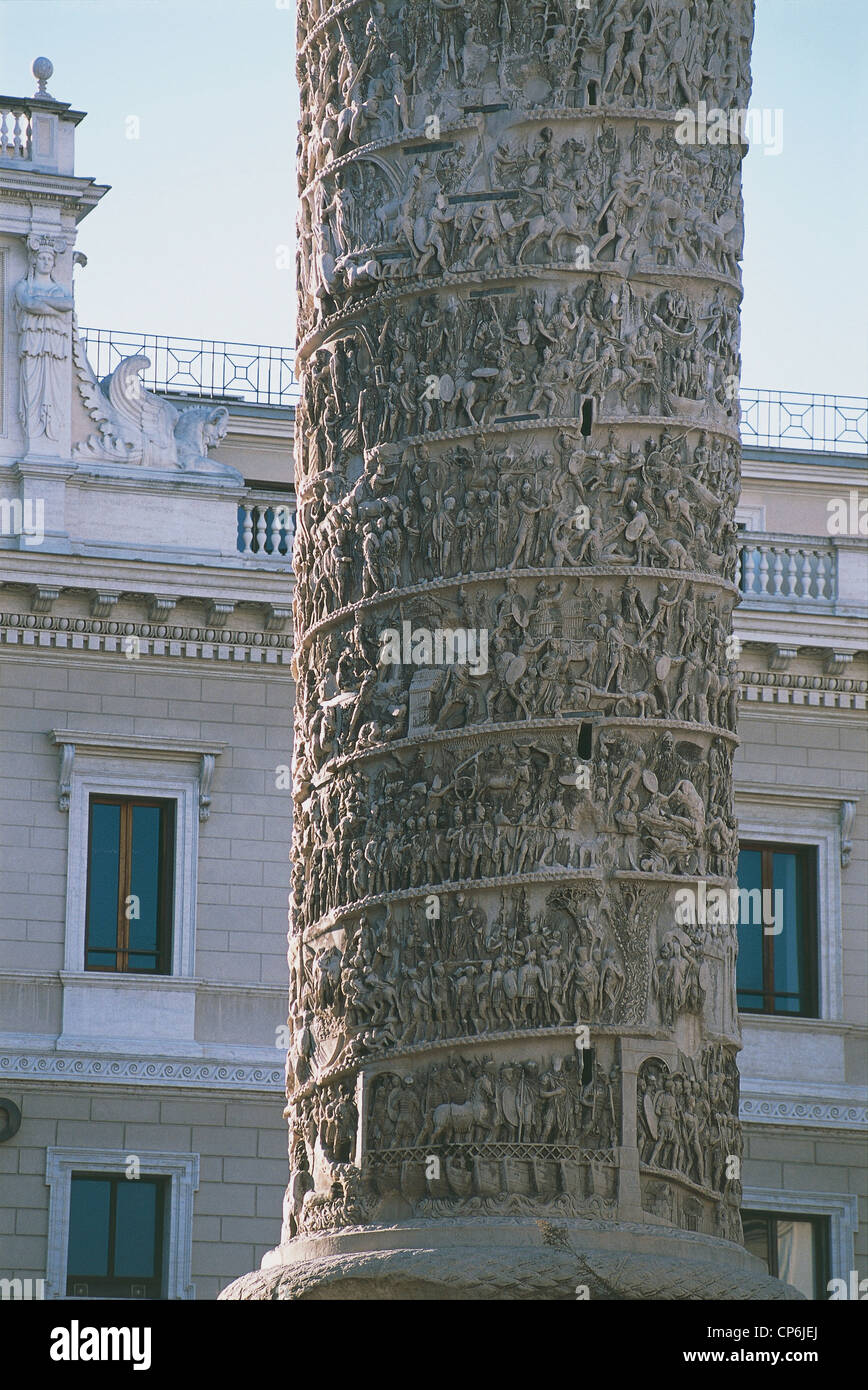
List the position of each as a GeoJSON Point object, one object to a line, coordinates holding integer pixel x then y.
{"type": "Point", "coordinates": [44, 309]}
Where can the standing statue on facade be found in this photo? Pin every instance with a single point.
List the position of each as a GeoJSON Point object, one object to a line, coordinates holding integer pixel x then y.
{"type": "Point", "coordinates": [44, 312]}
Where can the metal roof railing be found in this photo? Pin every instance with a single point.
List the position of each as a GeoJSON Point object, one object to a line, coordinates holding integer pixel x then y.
{"type": "Point", "coordinates": [803, 420]}
{"type": "Point", "coordinates": [264, 375]}
{"type": "Point", "coordinates": [243, 372]}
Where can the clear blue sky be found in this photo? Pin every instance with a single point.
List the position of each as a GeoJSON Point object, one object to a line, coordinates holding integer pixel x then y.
{"type": "Point", "coordinates": [186, 242]}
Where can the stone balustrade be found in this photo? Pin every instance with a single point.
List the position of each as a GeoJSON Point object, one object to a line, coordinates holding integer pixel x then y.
{"type": "Point", "coordinates": [15, 130]}
{"type": "Point", "coordinates": [266, 528]}
{"type": "Point", "coordinates": [794, 569]}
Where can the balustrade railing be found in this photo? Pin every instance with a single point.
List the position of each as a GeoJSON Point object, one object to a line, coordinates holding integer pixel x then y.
{"type": "Point", "coordinates": [266, 529]}
{"type": "Point", "coordinates": [797, 569]}
{"type": "Point", "coordinates": [15, 130]}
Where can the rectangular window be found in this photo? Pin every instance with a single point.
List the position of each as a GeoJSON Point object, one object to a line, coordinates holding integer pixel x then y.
{"type": "Point", "coordinates": [793, 1248]}
{"type": "Point", "coordinates": [116, 1229]}
{"type": "Point", "coordinates": [130, 884]}
{"type": "Point", "coordinates": [777, 930]}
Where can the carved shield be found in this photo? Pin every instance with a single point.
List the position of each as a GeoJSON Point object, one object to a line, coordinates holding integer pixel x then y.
{"type": "Point", "coordinates": [420, 232]}
{"type": "Point", "coordinates": [634, 530]}
{"type": "Point", "coordinates": [515, 670]}
{"type": "Point", "coordinates": [649, 781]}
{"type": "Point", "coordinates": [509, 1096]}
{"type": "Point", "coordinates": [510, 989]}
{"type": "Point", "coordinates": [522, 332]}
{"type": "Point", "coordinates": [663, 667]}
{"type": "Point", "coordinates": [447, 388]}
{"type": "Point", "coordinates": [650, 1117]}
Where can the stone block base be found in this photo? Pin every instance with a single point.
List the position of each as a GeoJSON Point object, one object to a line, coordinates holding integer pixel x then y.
{"type": "Point", "coordinates": [527, 1260]}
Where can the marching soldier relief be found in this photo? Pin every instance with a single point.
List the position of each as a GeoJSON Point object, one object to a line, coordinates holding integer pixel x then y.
{"type": "Point", "coordinates": [512, 1065]}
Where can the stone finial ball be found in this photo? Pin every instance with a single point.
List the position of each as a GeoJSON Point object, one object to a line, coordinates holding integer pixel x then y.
{"type": "Point", "coordinates": [42, 69]}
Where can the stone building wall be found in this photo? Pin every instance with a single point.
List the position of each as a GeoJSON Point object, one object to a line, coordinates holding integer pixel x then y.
{"type": "Point", "coordinates": [240, 1141]}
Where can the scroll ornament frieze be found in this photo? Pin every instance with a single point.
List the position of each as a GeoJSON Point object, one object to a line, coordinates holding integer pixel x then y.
{"type": "Point", "coordinates": [485, 963]}
{"type": "Point", "coordinates": [411, 372]}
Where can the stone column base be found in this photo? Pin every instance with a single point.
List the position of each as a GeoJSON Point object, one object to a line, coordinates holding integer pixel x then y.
{"type": "Point", "coordinates": [510, 1260]}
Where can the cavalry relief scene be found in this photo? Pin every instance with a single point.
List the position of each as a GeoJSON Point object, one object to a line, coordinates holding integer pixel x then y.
{"type": "Point", "coordinates": [517, 464]}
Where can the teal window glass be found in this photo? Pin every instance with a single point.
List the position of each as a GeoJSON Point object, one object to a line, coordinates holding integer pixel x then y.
{"type": "Point", "coordinates": [130, 884]}
{"type": "Point", "coordinates": [777, 930]}
{"type": "Point", "coordinates": [116, 1229]}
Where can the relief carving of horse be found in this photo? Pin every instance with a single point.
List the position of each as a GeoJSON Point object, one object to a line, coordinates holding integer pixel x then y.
{"type": "Point", "coordinates": [452, 1123]}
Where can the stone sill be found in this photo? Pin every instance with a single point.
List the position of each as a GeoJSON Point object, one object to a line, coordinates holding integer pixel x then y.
{"type": "Point", "coordinates": [779, 1023]}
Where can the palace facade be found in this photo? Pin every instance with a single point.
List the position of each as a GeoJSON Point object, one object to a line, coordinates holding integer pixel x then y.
{"type": "Point", "coordinates": [146, 697]}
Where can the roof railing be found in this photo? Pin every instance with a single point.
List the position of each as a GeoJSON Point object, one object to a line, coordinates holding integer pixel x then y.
{"type": "Point", "coordinates": [265, 375]}
{"type": "Point", "coordinates": [217, 370]}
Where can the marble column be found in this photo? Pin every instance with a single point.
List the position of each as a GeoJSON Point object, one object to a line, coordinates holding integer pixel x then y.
{"type": "Point", "coordinates": [514, 1032]}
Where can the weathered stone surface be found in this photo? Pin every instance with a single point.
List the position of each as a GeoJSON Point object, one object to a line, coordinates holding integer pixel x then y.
{"type": "Point", "coordinates": [517, 462]}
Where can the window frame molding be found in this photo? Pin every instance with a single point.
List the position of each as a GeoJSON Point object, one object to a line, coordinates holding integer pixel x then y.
{"type": "Point", "coordinates": [840, 1209]}
{"type": "Point", "coordinates": [135, 765]}
{"type": "Point", "coordinates": [786, 816]}
{"type": "Point", "coordinates": [112, 777]}
{"type": "Point", "coordinates": [181, 1169]}
{"type": "Point", "coordinates": [751, 515]}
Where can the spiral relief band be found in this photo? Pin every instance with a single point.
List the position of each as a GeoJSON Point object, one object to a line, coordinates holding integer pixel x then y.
{"type": "Point", "coordinates": [517, 463]}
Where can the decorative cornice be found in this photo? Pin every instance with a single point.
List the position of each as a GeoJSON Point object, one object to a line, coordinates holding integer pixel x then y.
{"type": "Point", "coordinates": [783, 688]}
{"type": "Point", "coordinates": [277, 618]}
{"type": "Point", "coordinates": [214, 1076]}
{"type": "Point", "coordinates": [842, 802]}
{"type": "Point", "coordinates": [141, 744]}
{"type": "Point", "coordinates": [837, 662]}
{"type": "Point", "coordinates": [161, 606]}
{"type": "Point", "coordinates": [780, 794]}
{"type": "Point", "coordinates": [219, 609]}
{"type": "Point", "coordinates": [781, 658]}
{"type": "Point", "coordinates": [135, 746]}
{"type": "Point", "coordinates": [44, 598]}
{"type": "Point", "coordinates": [98, 635]}
{"type": "Point", "coordinates": [759, 1108]}
{"type": "Point", "coordinates": [103, 603]}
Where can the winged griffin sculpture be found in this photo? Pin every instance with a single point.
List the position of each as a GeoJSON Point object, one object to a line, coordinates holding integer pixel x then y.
{"type": "Point", "coordinates": [136, 427]}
